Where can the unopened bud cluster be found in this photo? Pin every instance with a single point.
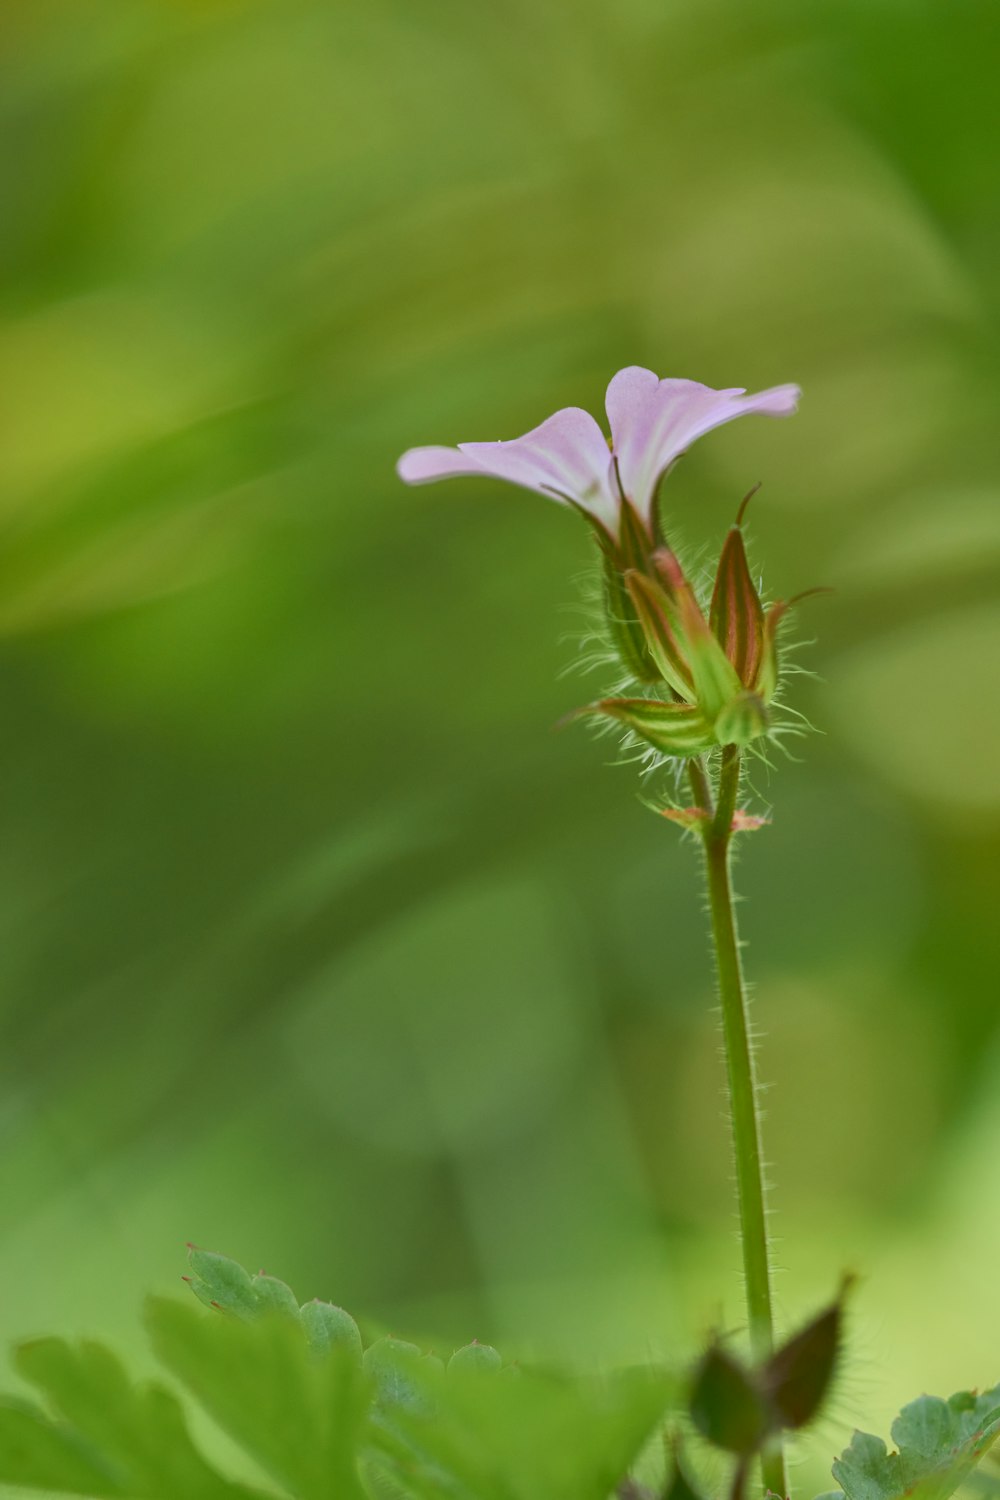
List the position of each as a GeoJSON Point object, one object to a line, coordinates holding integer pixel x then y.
{"type": "Point", "coordinates": [717, 675]}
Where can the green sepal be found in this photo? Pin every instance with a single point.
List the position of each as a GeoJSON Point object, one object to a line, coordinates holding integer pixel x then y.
{"type": "Point", "coordinates": [714, 677]}
{"type": "Point", "coordinates": [674, 728]}
{"type": "Point", "coordinates": [653, 610]}
{"type": "Point", "coordinates": [769, 670]}
{"type": "Point", "coordinates": [624, 625]}
{"type": "Point", "coordinates": [769, 667]}
{"type": "Point", "coordinates": [726, 1406]}
{"type": "Point", "coordinates": [742, 721]}
{"type": "Point", "coordinates": [736, 614]}
{"type": "Point", "coordinates": [798, 1376]}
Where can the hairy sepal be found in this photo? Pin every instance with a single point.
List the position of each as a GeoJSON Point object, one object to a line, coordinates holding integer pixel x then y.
{"type": "Point", "coordinates": [741, 721]}
{"type": "Point", "coordinates": [653, 610]}
{"type": "Point", "coordinates": [726, 1405]}
{"type": "Point", "coordinates": [736, 615]}
{"type": "Point", "coordinates": [798, 1376]}
{"type": "Point", "coordinates": [679, 729]}
{"type": "Point", "coordinates": [714, 677]}
{"type": "Point", "coordinates": [624, 626]}
{"type": "Point", "coordinates": [769, 667]}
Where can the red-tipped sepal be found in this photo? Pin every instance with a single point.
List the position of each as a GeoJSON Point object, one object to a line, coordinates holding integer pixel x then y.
{"type": "Point", "coordinates": [715, 680]}
{"type": "Point", "coordinates": [736, 615]}
{"type": "Point", "coordinates": [769, 667]}
{"type": "Point", "coordinates": [625, 627]}
{"type": "Point", "coordinates": [658, 617]}
{"type": "Point", "coordinates": [769, 670]}
{"type": "Point", "coordinates": [628, 552]}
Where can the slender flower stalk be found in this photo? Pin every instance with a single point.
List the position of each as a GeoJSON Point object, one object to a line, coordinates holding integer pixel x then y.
{"type": "Point", "coordinates": [701, 685]}
{"type": "Point", "coordinates": [716, 835]}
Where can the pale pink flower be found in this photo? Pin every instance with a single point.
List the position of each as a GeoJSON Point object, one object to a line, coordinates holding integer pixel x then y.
{"type": "Point", "coordinates": [567, 458]}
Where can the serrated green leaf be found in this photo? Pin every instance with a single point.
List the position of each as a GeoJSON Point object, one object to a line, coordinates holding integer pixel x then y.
{"type": "Point", "coordinates": [475, 1357]}
{"type": "Point", "coordinates": [939, 1443]}
{"type": "Point", "coordinates": [37, 1454]}
{"type": "Point", "coordinates": [327, 1327]}
{"type": "Point", "coordinates": [107, 1437]}
{"type": "Point", "coordinates": [300, 1416]}
{"type": "Point", "coordinates": [402, 1376]}
{"type": "Point", "coordinates": [519, 1438]}
{"type": "Point", "coordinates": [273, 1296]}
{"type": "Point", "coordinates": [223, 1283]}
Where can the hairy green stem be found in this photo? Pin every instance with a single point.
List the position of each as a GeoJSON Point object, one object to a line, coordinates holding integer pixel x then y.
{"type": "Point", "coordinates": [717, 839]}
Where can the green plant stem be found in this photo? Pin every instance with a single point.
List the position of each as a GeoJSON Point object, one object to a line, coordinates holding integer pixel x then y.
{"type": "Point", "coordinates": [717, 838]}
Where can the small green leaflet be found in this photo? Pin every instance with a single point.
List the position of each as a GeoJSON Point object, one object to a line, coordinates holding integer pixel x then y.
{"type": "Point", "coordinates": [939, 1443]}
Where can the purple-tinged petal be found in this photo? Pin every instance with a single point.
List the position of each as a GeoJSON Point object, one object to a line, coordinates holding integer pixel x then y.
{"type": "Point", "coordinates": [566, 457]}
{"type": "Point", "coordinates": [654, 421]}
{"type": "Point", "coordinates": [424, 465]}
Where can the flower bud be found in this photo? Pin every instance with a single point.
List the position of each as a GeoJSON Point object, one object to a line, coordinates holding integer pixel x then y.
{"type": "Point", "coordinates": [798, 1376]}
{"type": "Point", "coordinates": [726, 1406]}
{"type": "Point", "coordinates": [736, 615]}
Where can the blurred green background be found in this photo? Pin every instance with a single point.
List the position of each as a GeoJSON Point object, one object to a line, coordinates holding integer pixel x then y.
{"type": "Point", "coordinates": [319, 947]}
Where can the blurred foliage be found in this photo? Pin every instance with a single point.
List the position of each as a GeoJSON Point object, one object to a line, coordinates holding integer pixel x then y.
{"type": "Point", "coordinates": [318, 1421]}
{"type": "Point", "coordinates": [304, 1407]}
{"type": "Point", "coordinates": [315, 942]}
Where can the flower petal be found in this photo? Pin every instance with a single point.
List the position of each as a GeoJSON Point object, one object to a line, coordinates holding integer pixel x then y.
{"type": "Point", "coordinates": [566, 457]}
{"type": "Point", "coordinates": [424, 465]}
{"type": "Point", "coordinates": [653, 422]}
